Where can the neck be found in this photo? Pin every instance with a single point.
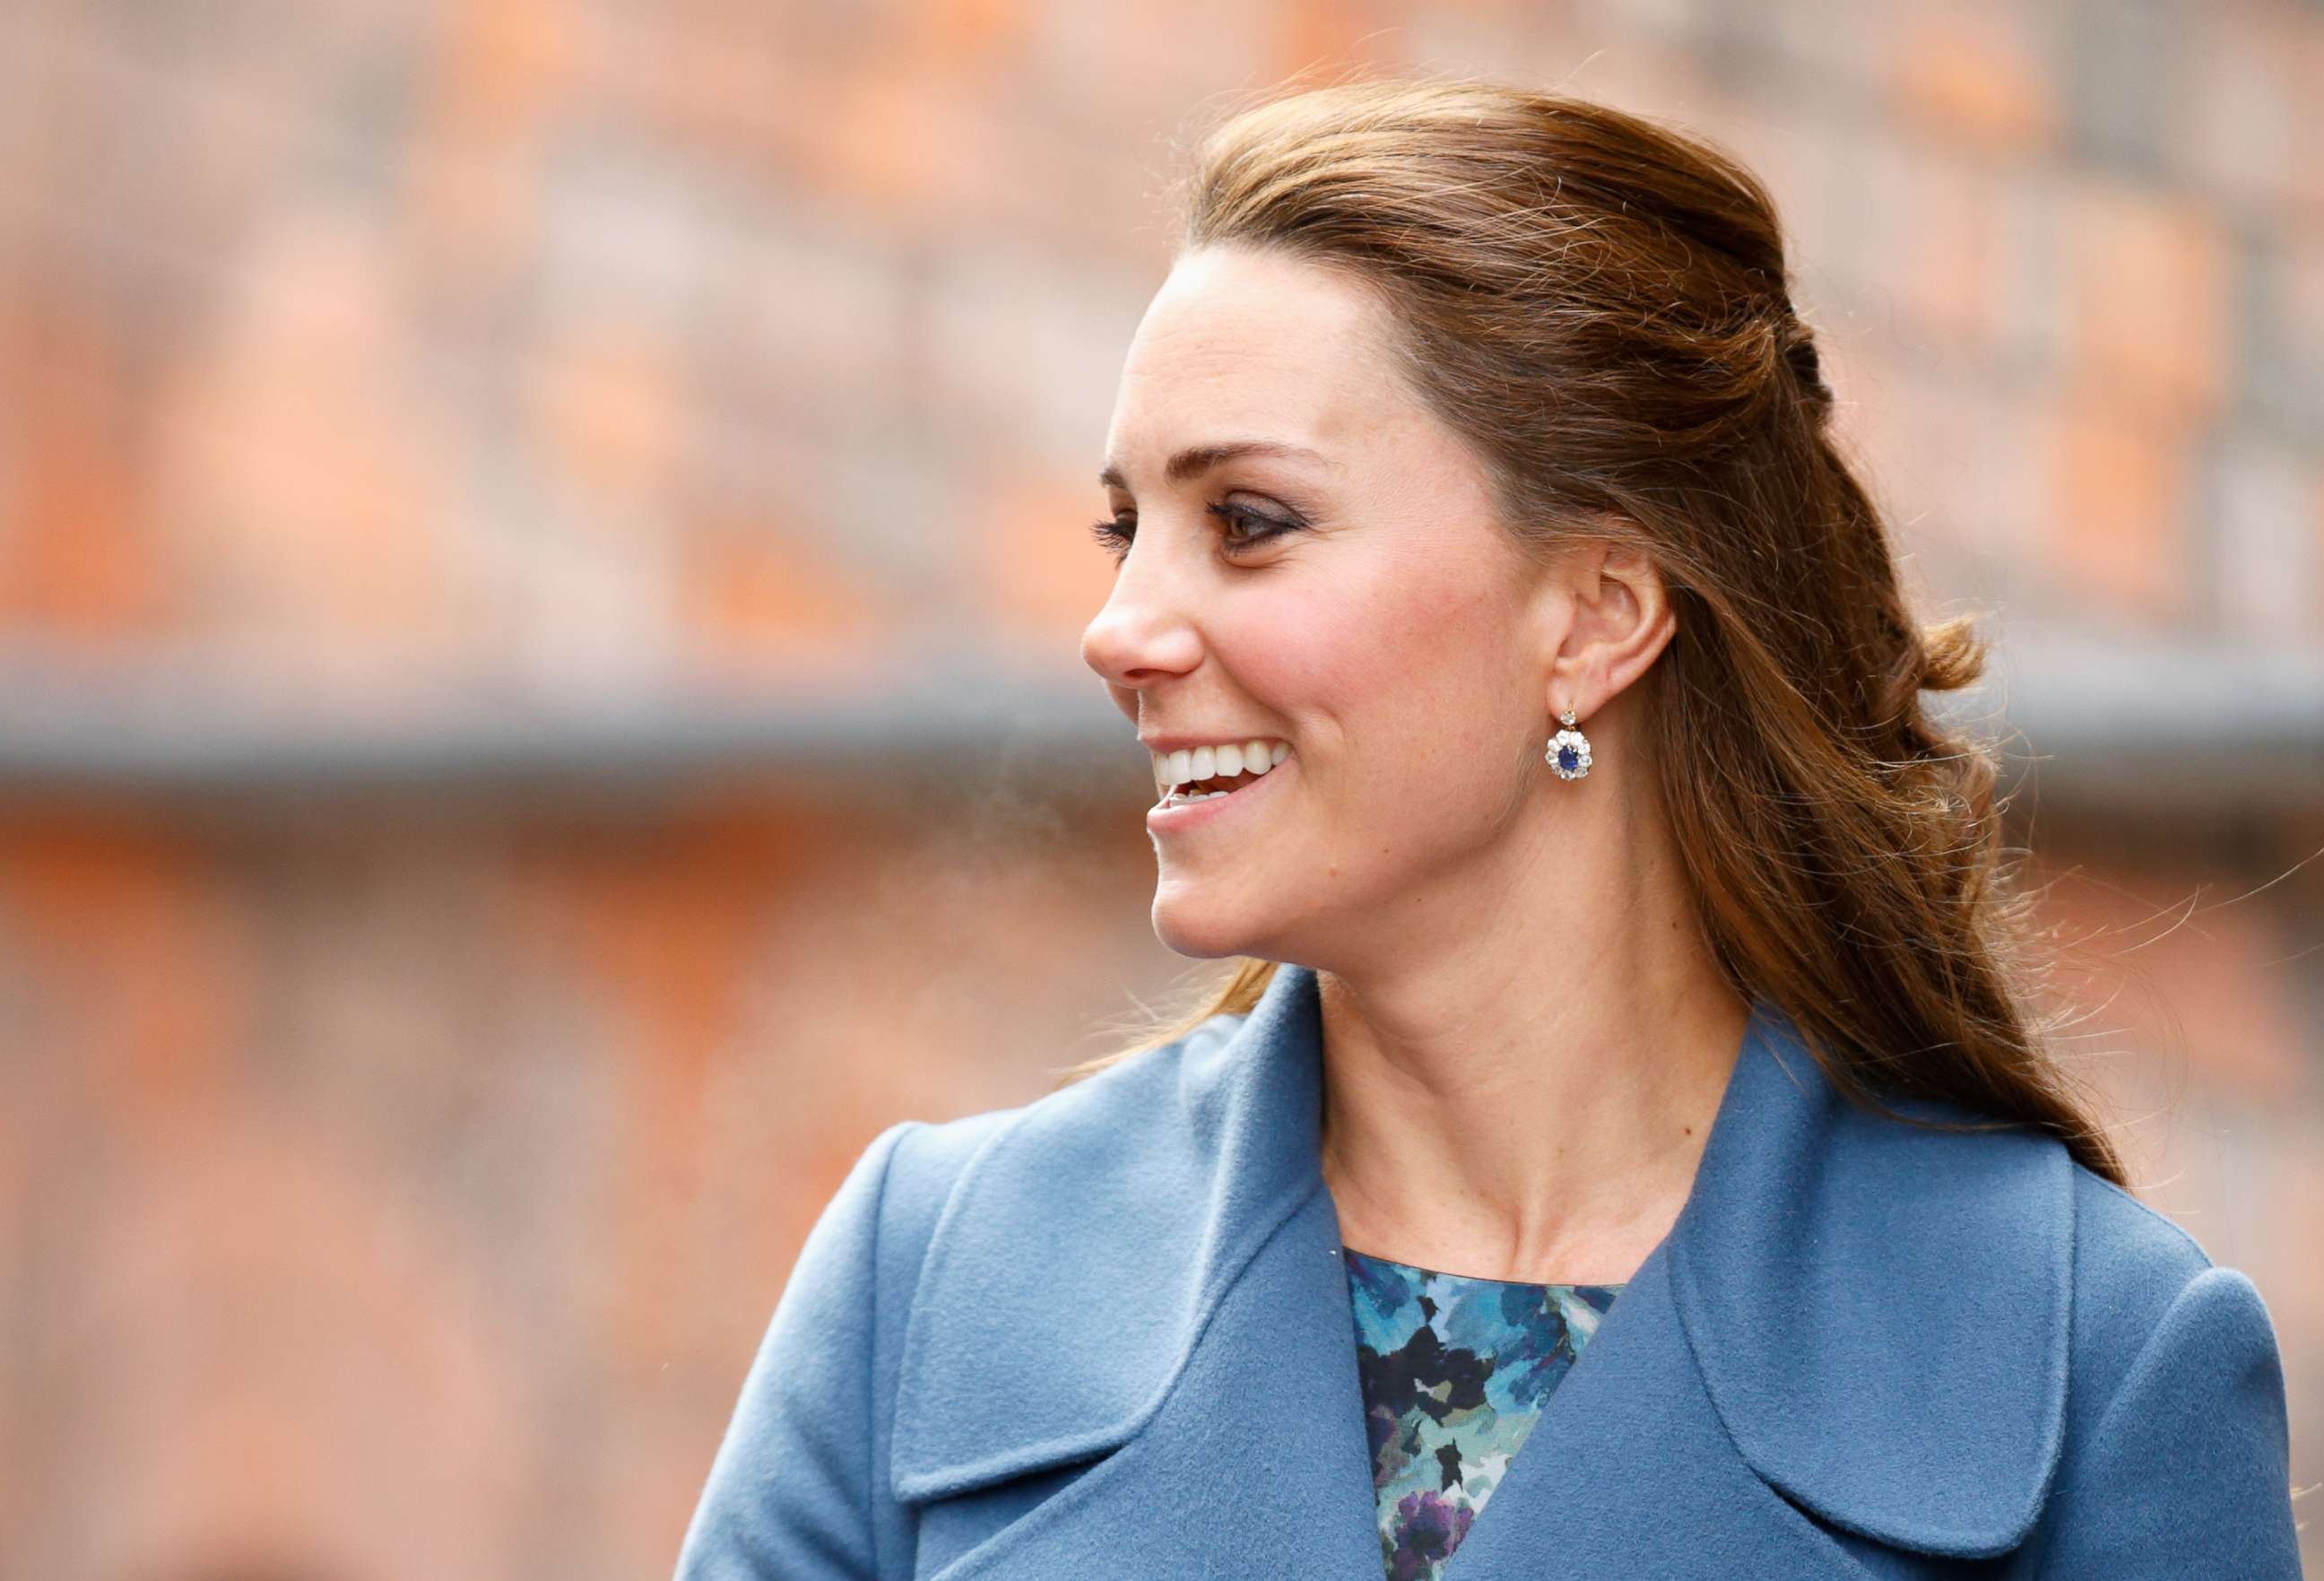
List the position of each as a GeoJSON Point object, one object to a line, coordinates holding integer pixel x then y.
{"type": "Point", "coordinates": [1529, 1105]}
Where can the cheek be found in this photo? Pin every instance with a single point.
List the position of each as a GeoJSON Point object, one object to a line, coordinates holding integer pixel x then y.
{"type": "Point", "coordinates": [1405, 674]}
{"type": "Point", "coordinates": [1326, 665]}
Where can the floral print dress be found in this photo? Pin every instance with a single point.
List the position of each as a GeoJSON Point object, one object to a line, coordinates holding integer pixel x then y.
{"type": "Point", "coordinates": [1455, 1370]}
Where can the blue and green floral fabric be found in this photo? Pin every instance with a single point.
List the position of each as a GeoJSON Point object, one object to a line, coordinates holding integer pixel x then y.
{"type": "Point", "coordinates": [1456, 1370]}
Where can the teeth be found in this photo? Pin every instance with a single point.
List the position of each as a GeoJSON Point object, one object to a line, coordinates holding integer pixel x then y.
{"type": "Point", "coordinates": [1188, 764]}
{"type": "Point", "coordinates": [1183, 798]}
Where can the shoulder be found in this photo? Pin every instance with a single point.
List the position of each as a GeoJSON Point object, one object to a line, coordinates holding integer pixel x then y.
{"type": "Point", "coordinates": [1092, 1139]}
{"type": "Point", "coordinates": [2176, 1452]}
{"type": "Point", "coordinates": [2128, 1265]}
{"type": "Point", "coordinates": [2125, 1262]}
{"type": "Point", "coordinates": [2144, 1287]}
{"type": "Point", "coordinates": [2131, 1260]}
{"type": "Point", "coordinates": [2054, 1322]}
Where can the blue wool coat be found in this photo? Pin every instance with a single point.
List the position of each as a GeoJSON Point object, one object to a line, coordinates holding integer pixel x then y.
{"type": "Point", "coordinates": [1108, 1334]}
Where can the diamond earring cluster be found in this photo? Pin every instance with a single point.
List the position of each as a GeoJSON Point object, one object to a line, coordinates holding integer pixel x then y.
{"type": "Point", "coordinates": [1569, 749]}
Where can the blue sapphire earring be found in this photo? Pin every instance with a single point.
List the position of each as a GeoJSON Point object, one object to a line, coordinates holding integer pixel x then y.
{"type": "Point", "coordinates": [1569, 749]}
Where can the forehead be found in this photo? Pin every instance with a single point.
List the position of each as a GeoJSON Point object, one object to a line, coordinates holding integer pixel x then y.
{"type": "Point", "coordinates": [1242, 342]}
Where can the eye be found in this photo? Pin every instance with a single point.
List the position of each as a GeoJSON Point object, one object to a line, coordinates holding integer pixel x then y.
{"type": "Point", "coordinates": [1116, 535]}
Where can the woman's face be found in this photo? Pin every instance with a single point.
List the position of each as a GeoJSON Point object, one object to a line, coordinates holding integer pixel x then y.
{"type": "Point", "coordinates": [1391, 637]}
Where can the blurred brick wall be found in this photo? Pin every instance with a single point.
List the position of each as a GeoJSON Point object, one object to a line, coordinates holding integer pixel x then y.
{"type": "Point", "coordinates": [400, 1187]}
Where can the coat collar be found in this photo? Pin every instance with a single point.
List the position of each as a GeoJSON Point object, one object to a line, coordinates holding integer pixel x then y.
{"type": "Point", "coordinates": [1871, 1317]}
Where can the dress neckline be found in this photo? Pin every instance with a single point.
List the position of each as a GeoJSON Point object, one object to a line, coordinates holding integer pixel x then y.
{"type": "Point", "coordinates": [1522, 1284]}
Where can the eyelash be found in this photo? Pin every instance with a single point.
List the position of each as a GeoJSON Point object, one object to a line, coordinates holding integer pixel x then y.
{"type": "Point", "coordinates": [1115, 539]}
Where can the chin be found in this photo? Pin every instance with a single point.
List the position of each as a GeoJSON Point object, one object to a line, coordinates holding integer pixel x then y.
{"type": "Point", "coordinates": [1204, 931]}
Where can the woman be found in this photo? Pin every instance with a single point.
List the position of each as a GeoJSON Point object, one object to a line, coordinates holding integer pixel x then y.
{"type": "Point", "coordinates": [1624, 1150]}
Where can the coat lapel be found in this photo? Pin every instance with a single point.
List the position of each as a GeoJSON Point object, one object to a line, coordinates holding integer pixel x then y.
{"type": "Point", "coordinates": [1879, 1311]}
{"type": "Point", "coordinates": [1142, 1275]}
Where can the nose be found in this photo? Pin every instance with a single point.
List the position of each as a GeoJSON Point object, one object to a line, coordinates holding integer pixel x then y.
{"type": "Point", "coordinates": [1140, 639]}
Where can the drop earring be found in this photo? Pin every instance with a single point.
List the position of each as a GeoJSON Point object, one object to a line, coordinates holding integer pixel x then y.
{"type": "Point", "coordinates": [1569, 749]}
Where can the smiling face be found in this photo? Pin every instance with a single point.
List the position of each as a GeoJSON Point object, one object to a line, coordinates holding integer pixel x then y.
{"type": "Point", "coordinates": [1391, 635]}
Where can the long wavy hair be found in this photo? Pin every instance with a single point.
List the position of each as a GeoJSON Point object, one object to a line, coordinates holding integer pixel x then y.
{"type": "Point", "coordinates": [1602, 307]}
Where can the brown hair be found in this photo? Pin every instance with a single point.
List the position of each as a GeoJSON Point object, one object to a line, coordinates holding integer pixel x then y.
{"type": "Point", "coordinates": [1600, 306]}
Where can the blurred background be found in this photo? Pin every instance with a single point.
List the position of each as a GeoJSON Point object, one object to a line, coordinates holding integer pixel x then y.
{"type": "Point", "coordinates": [541, 564]}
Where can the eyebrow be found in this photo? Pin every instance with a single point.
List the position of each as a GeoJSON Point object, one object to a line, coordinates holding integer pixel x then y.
{"type": "Point", "coordinates": [1196, 459]}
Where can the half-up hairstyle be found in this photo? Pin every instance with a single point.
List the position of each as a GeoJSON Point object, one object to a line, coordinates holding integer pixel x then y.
{"type": "Point", "coordinates": [1601, 308]}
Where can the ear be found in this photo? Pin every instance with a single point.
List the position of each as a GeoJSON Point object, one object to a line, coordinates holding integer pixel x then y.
{"type": "Point", "coordinates": [1616, 619]}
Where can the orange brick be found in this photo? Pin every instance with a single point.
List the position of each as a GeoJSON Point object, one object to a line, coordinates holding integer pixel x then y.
{"type": "Point", "coordinates": [2148, 304]}
{"type": "Point", "coordinates": [1976, 71]}
{"type": "Point", "coordinates": [1038, 571]}
{"type": "Point", "coordinates": [610, 408]}
{"type": "Point", "coordinates": [907, 141]}
{"type": "Point", "coordinates": [967, 31]}
{"type": "Point", "coordinates": [1946, 264]}
{"type": "Point", "coordinates": [76, 557]}
{"type": "Point", "coordinates": [2120, 487]}
{"type": "Point", "coordinates": [298, 479]}
{"type": "Point", "coordinates": [140, 959]}
{"type": "Point", "coordinates": [750, 596]}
